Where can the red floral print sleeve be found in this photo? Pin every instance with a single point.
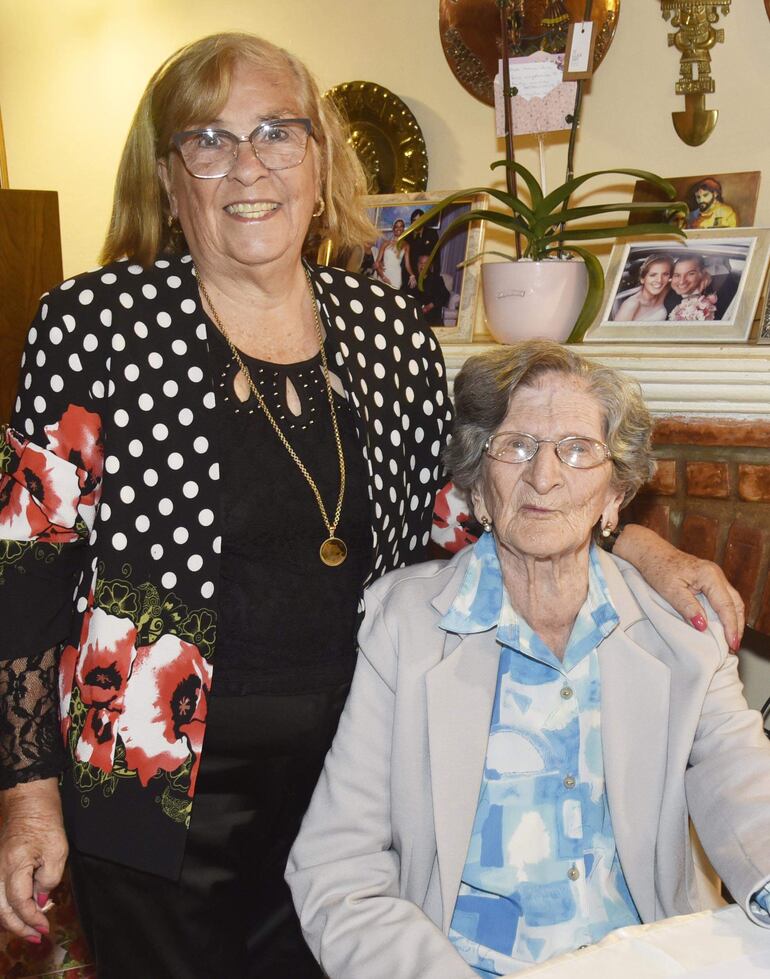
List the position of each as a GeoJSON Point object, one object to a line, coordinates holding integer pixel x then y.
{"type": "Point", "coordinates": [50, 474]}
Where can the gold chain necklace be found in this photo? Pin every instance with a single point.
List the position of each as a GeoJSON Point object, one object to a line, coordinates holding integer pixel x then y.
{"type": "Point", "coordinates": [333, 550]}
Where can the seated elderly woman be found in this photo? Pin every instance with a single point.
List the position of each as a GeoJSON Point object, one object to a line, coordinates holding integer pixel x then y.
{"type": "Point", "coordinates": [530, 725]}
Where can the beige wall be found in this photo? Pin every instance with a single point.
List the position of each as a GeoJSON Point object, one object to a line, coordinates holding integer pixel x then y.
{"type": "Point", "coordinates": [71, 74]}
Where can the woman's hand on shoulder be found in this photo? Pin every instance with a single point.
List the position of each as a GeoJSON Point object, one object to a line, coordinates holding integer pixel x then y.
{"type": "Point", "coordinates": [679, 577]}
{"type": "Point", "coordinates": [33, 851]}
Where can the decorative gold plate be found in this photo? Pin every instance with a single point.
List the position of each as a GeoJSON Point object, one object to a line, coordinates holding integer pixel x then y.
{"type": "Point", "coordinates": [385, 135]}
{"type": "Point", "coordinates": [470, 36]}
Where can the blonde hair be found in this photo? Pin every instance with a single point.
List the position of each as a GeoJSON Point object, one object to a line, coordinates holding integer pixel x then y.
{"type": "Point", "coordinates": [191, 87]}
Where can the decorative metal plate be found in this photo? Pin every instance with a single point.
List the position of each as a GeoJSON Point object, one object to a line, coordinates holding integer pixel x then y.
{"type": "Point", "coordinates": [470, 35]}
{"type": "Point", "coordinates": [385, 135]}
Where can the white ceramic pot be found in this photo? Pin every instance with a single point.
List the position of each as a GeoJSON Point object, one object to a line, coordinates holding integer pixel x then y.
{"type": "Point", "coordinates": [527, 299]}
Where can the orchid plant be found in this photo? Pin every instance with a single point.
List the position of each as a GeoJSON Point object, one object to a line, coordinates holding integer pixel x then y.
{"type": "Point", "coordinates": [550, 227]}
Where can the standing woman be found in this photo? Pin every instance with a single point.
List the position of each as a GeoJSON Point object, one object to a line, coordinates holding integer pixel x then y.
{"type": "Point", "coordinates": [215, 446]}
{"type": "Point", "coordinates": [389, 265]}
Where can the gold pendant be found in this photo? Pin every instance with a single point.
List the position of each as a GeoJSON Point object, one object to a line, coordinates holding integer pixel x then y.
{"type": "Point", "coordinates": [333, 551]}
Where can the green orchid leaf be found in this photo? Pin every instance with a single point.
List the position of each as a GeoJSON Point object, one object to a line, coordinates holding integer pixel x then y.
{"type": "Point", "coordinates": [469, 261]}
{"type": "Point", "coordinates": [542, 225]}
{"type": "Point", "coordinates": [594, 296]}
{"type": "Point", "coordinates": [495, 217]}
{"type": "Point", "coordinates": [561, 194]}
{"type": "Point", "coordinates": [513, 204]}
{"type": "Point", "coordinates": [620, 231]}
{"type": "Point", "coordinates": [535, 191]}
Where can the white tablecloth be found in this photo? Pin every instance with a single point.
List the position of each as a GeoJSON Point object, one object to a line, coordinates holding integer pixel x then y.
{"type": "Point", "coordinates": [720, 944]}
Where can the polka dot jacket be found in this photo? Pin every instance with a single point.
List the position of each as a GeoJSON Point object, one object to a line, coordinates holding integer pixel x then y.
{"type": "Point", "coordinates": [110, 503]}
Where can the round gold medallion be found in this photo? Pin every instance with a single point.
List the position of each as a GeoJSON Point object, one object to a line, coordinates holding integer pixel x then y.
{"type": "Point", "coordinates": [333, 551]}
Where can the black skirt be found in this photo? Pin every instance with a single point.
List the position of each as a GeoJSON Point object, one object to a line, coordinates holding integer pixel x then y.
{"type": "Point", "coordinates": [230, 913]}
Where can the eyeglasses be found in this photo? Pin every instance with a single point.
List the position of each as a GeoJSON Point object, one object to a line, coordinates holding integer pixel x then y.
{"type": "Point", "coordinates": [576, 451]}
{"type": "Point", "coordinates": [278, 144]}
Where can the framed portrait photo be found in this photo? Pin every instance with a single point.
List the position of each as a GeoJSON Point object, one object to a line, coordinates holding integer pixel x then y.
{"type": "Point", "coordinates": [449, 295]}
{"type": "Point", "coordinates": [702, 289]}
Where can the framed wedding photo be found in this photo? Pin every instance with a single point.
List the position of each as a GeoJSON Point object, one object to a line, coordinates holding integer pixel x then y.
{"type": "Point", "coordinates": [450, 293]}
{"type": "Point", "coordinates": [702, 289]}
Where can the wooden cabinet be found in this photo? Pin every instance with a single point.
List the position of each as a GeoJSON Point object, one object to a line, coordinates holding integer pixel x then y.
{"type": "Point", "coordinates": [30, 263]}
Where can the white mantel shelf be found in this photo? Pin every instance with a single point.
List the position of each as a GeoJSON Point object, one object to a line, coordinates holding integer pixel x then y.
{"type": "Point", "coordinates": [700, 380]}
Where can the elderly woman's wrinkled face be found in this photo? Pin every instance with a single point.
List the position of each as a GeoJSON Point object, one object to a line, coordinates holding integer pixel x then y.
{"type": "Point", "coordinates": [544, 508]}
{"type": "Point", "coordinates": [253, 216]}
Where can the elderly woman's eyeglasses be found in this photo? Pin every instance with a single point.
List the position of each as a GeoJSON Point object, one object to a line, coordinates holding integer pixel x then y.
{"type": "Point", "coordinates": [278, 144]}
{"type": "Point", "coordinates": [576, 451]}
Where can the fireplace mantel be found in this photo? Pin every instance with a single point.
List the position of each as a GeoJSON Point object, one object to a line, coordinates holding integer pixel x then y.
{"type": "Point", "coordinates": [705, 380]}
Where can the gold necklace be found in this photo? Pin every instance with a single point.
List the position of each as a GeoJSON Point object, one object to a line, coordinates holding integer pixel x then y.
{"type": "Point", "coordinates": [333, 550]}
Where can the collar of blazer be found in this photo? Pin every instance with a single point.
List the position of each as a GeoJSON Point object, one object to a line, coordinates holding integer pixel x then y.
{"type": "Point", "coordinates": [635, 704]}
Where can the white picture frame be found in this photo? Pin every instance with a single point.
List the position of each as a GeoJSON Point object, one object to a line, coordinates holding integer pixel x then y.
{"type": "Point", "coordinates": [463, 283]}
{"type": "Point", "coordinates": [732, 264]}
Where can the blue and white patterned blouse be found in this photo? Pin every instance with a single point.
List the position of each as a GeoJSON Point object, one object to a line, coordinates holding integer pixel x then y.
{"type": "Point", "coordinates": [542, 874]}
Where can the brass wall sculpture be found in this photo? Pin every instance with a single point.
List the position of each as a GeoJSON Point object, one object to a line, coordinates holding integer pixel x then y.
{"type": "Point", "coordinates": [694, 37]}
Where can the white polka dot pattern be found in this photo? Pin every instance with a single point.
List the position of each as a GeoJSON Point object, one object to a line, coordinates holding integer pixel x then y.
{"type": "Point", "coordinates": [130, 345]}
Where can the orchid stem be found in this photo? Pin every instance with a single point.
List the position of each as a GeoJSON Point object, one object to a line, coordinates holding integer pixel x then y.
{"type": "Point", "coordinates": [510, 173]}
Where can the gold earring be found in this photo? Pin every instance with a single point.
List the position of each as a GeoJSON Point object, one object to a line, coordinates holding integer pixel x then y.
{"type": "Point", "coordinates": [486, 523]}
{"type": "Point", "coordinates": [319, 208]}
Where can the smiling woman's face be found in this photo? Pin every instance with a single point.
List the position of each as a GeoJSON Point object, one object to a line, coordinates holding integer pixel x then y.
{"type": "Point", "coordinates": [657, 278]}
{"type": "Point", "coordinates": [253, 216]}
{"type": "Point", "coordinates": [544, 508]}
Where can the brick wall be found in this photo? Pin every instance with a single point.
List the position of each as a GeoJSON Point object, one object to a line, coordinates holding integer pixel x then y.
{"type": "Point", "coordinates": [711, 497]}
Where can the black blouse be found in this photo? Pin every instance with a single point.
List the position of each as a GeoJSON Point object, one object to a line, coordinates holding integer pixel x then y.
{"type": "Point", "coordinates": [287, 622]}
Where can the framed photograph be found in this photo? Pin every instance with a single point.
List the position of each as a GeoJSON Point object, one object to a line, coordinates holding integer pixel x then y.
{"type": "Point", "coordinates": [450, 294]}
{"type": "Point", "coordinates": [703, 289]}
{"type": "Point", "coordinates": [714, 200]}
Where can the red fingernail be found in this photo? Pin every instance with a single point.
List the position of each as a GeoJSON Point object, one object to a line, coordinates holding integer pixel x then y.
{"type": "Point", "coordinates": [33, 939]}
{"type": "Point", "coordinates": [699, 622]}
{"type": "Point", "coordinates": [44, 928]}
{"type": "Point", "coordinates": [42, 899]}
{"type": "Point", "coordinates": [735, 643]}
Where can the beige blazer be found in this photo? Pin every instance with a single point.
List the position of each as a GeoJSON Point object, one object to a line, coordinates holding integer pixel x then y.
{"type": "Point", "coordinates": [376, 867]}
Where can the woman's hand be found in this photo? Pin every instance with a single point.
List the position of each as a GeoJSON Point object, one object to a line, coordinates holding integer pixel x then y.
{"type": "Point", "coordinates": [33, 851]}
{"type": "Point", "coordinates": [678, 577]}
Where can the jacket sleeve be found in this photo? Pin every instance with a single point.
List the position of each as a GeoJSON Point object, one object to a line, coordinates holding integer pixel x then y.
{"type": "Point", "coordinates": [50, 475]}
{"type": "Point", "coordinates": [344, 868]}
{"type": "Point", "coordinates": [728, 785]}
